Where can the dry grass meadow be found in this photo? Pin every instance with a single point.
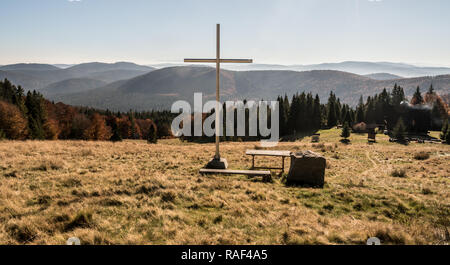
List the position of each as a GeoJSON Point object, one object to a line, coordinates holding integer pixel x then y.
{"type": "Point", "coordinates": [135, 193]}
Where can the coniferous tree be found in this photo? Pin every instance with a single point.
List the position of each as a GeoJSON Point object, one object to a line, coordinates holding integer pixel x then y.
{"type": "Point", "coordinates": [338, 110]}
{"type": "Point", "coordinates": [2, 135]}
{"type": "Point", "coordinates": [431, 90]}
{"type": "Point", "coordinates": [348, 117]}
{"type": "Point", "coordinates": [331, 108]}
{"type": "Point", "coordinates": [300, 125]}
{"type": "Point", "coordinates": [282, 117]}
{"type": "Point", "coordinates": [398, 95]}
{"type": "Point", "coordinates": [360, 111]}
{"type": "Point", "coordinates": [293, 113]}
{"type": "Point", "coordinates": [36, 115]}
{"type": "Point", "coordinates": [309, 113]}
{"type": "Point", "coordinates": [317, 113]}
{"type": "Point", "coordinates": [152, 136]}
{"type": "Point", "coordinates": [370, 110]}
{"type": "Point", "coordinates": [116, 137]}
{"type": "Point", "coordinates": [345, 132]}
{"type": "Point", "coordinates": [399, 131]}
{"type": "Point", "coordinates": [417, 97]}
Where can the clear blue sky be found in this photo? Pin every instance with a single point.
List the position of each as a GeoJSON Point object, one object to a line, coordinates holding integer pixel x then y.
{"type": "Point", "coordinates": [281, 31]}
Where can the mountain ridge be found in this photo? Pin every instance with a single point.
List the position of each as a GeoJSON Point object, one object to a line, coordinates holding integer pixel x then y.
{"type": "Point", "coordinates": [162, 87]}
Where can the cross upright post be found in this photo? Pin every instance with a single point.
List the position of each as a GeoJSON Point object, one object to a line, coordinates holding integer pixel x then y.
{"type": "Point", "coordinates": [217, 155]}
{"type": "Point", "coordinates": [217, 162]}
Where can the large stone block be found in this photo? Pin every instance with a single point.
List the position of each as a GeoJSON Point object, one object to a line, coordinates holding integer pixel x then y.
{"type": "Point", "coordinates": [307, 168]}
{"type": "Point", "coordinates": [217, 163]}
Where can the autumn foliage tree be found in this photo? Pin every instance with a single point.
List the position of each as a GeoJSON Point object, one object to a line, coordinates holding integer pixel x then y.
{"type": "Point", "coordinates": [12, 122]}
{"type": "Point", "coordinates": [97, 129]}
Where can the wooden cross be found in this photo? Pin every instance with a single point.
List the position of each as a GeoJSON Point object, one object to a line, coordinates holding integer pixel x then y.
{"type": "Point", "coordinates": [218, 61]}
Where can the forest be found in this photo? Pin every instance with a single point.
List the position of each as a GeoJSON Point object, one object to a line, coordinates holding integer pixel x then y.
{"type": "Point", "coordinates": [30, 116]}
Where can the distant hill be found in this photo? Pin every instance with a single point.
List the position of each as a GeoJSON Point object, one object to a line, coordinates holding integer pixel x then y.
{"type": "Point", "coordinates": [38, 76]}
{"type": "Point", "coordinates": [72, 86]}
{"type": "Point", "coordinates": [28, 67]}
{"type": "Point", "coordinates": [115, 75]}
{"type": "Point", "coordinates": [89, 68]}
{"type": "Point", "coordinates": [160, 88]}
{"type": "Point", "coordinates": [383, 76]}
{"type": "Point", "coordinates": [22, 79]}
{"type": "Point", "coordinates": [360, 68]}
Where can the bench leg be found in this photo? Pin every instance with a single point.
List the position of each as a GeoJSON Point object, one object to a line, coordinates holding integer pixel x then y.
{"type": "Point", "coordinates": [282, 165]}
{"type": "Point", "coordinates": [253, 161]}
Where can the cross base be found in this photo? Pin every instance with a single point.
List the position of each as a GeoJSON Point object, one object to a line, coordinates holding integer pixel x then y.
{"type": "Point", "coordinates": [217, 163]}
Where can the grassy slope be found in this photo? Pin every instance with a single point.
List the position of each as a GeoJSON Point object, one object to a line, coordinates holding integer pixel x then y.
{"type": "Point", "coordinates": [135, 193]}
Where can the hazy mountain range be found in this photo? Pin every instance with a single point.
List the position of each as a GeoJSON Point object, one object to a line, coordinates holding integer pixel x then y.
{"type": "Point", "coordinates": [123, 86]}
{"type": "Point", "coordinates": [38, 76]}
{"type": "Point", "coordinates": [360, 68]}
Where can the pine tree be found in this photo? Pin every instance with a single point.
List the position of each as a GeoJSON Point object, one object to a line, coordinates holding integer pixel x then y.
{"type": "Point", "coordinates": [360, 111]}
{"type": "Point", "coordinates": [444, 130]}
{"type": "Point", "coordinates": [293, 113]}
{"type": "Point", "coordinates": [398, 95]}
{"type": "Point", "coordinates": [417, 97]}
{"type": "Point", "coordinates": [152, 136]}
{"type": "Point", "coordinates": [282, 117]}
{"type": "Point", "coordinates": [431, 89]}
{"type": "Point", "coordinates": [331, 107]}
{"type": "Point", "coordinates": [345, 132]}
{"type": "Point", "coordinates": [116, 137]}
{"type": "Point", "coordinates": [399, 131]}
{"type": "Point", "coordinates": [36, 114]}
{"type": "Point", "coordinates": [317, 113]}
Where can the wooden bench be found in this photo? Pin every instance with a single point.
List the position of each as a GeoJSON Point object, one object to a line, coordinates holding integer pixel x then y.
{"type": "Point", "coordinates": [282, 154]}
{"type": "Point", "coordinates": [250, 173]}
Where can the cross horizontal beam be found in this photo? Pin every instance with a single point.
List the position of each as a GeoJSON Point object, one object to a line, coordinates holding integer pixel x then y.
{"type": "Point", "coordinates": [221, 60]}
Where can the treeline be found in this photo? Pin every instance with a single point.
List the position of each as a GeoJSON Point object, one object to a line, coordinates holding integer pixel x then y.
{"type": "Point", "coordinates": [305, 114]}
{"type": "Point", "coordinates": [31, 116]}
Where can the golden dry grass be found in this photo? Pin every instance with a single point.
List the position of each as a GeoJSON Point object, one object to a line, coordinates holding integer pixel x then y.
{"type": "Point", "coordinates": [135, 193]}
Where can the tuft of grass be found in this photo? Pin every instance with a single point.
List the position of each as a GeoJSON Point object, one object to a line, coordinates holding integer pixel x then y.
{"type": "Point", "coordinates": [427, 191]}
{"type": "Point", "coordinates": [12, 174]}
{"type": "Point", "coordinates": [82, 219]}
{"type": "Point", "coordinates": [202, 222]}
{"type": "Point", "coordinates": [169, 196]}
{"type": "Point", "coordinates": [110, 202]}
{"type": "Point", "coordinates": [389, 236]}
{"type": "Point", "coordinates": [422, 155]}
{"type": "Point", "coordinates": [71, 183]}
{"type": "Point", "coordinates": [328, 207]}
{"type": "Point", "coordinates": [258, 197]}
{"type": "Point", "coordinates": [54, 164]}
{"type": "Point", "coordinates": [218, 219]}
{"type": "Point", "coordinates": [398, 173]}
{"type": "Point", "coordinates": [21, 232]}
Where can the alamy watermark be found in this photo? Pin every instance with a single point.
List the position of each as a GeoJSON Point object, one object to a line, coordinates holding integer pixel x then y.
{"type": "Point", "coordinates": [258, 113]}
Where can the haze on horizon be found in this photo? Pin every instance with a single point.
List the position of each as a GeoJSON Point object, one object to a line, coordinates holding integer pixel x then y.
{"type": "Point", "coordinates": [272, 32]}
